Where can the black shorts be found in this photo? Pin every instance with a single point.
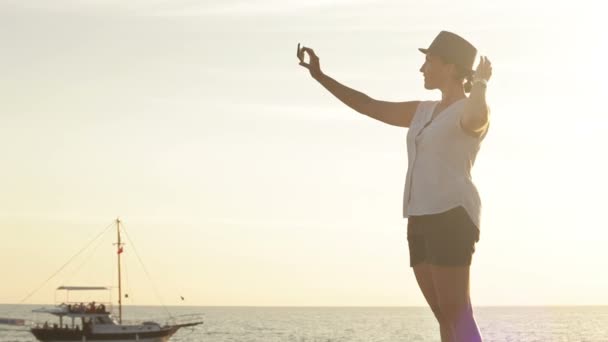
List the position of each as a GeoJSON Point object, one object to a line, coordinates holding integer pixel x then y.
{"type": "Point", "coordinates": [444, 239]}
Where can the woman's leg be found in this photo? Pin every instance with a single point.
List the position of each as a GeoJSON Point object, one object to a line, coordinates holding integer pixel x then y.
{"type": "Point", "coordinates": [452, 288]}
{"type": "Point", "coordinates": [425, 281]}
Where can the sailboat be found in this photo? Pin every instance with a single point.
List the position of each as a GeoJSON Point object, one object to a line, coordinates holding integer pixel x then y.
{"type": "Point", "coordinates": [94, 322]}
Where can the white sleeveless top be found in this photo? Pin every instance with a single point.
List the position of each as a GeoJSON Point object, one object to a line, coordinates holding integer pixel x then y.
{"type": "Point", "coordinates": [440, 157]}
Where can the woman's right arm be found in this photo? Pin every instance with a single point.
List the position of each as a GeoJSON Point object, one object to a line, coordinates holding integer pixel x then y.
{"type": "Point", "coordinates": [393, 113]}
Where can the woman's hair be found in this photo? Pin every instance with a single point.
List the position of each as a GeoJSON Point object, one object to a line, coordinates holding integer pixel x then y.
{"type": "Point", "coordinates": [467, 75]}
{"type": "Point", "coordinates": [462, 74]}
{"type": "Point", "coordinates": [469, 84]}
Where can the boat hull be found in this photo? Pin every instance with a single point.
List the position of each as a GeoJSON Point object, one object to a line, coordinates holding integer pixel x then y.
{"type": "Point", "coordinates": [153, 339]}
{"type": "Point", "coordinates": [62, 335]}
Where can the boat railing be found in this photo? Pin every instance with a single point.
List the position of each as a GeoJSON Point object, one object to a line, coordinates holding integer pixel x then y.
{"type": "Point", "coordinates": [89, 308]}
{"type": "Point", "coordinates": [186, 319]}
{"type": "Point", "coordinates": [54, 326]}
{"type": "Point", "coordinates": [137, 321]}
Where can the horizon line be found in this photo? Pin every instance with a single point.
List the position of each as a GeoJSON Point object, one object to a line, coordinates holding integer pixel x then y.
{"type": "Point", "coordinates": [343, 306]}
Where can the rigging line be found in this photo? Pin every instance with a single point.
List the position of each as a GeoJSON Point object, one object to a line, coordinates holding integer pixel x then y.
{"type": "Point", "coordinates": [128, 285]}
{"type": "Point", "coordinates": [67, 263]}
{"type": "Point", "coordinates": [147, 273]}
{"type": "Point", "coordinates": [85, 261]}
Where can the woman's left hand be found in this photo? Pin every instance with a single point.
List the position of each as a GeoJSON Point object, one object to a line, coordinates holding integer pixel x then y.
{"type": "Point", "coordinates": [484, 69]}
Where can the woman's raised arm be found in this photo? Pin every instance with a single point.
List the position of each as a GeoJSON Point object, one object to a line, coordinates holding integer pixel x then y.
{"type": "Point", "coordinates": [392, 113]}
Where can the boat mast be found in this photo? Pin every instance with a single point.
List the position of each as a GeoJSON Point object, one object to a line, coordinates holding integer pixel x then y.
{"type": "Point", "coordinates": [119, 252]}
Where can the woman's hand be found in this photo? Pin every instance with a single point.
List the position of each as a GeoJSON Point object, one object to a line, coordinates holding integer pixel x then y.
{"type": "Point", "coordinates": [476, 115]}
{"type": "Point", "coordinates": [484, 69]}
{"type": "Point", "coordinates": [313, 65]}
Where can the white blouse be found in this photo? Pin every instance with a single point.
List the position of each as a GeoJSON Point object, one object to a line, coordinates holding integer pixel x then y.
{"type": "Point", "coordinates": [440, 157]}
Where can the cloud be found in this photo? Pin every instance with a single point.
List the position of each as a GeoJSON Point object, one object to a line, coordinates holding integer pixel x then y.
{"type": "Point", "coordinates": [177, 8]}
{"type": "Point", "coordinates": [274, 223]}
{"type": "Point", "coordinates": [258, 7]}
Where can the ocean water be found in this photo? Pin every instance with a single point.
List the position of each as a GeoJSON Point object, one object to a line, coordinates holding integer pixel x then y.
{"type": "Point", "coordinates": [356, 324]}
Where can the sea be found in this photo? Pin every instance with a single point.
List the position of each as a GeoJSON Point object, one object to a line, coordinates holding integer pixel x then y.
{"type": "Point", "coordinates": [351, 324]}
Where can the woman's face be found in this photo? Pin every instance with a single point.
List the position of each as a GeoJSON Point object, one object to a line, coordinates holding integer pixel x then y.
{"type": "Point", "coordinates": [436, 72]}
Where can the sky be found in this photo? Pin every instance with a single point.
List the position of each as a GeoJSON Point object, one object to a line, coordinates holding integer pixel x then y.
{"type": "Point", "coordinates": [241, 181]}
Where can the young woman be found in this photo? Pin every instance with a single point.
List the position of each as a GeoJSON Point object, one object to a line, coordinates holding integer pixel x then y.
{"type": "Point", "coordinates": [440, 200]}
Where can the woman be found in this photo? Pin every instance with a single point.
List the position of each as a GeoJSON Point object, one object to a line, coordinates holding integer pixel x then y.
{"type": "Point", "coordinates": [440, 200]}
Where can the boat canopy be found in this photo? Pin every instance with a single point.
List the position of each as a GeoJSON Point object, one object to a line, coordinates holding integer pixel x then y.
{"type": "Point", "coordinates": [82, 288]}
